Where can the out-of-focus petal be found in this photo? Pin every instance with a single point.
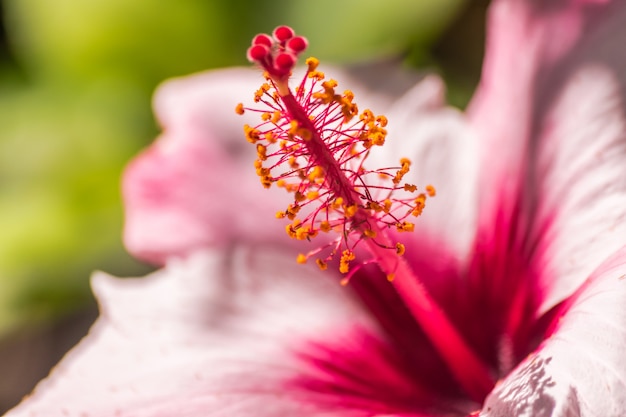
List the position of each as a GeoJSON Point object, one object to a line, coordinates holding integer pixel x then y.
{"type": "Point", "coordinates": [218, 334]}
{"type": "Point", "coordinates": [195, 186]}
{"type": "Point", "coordinates": [442, 148]}
{"type": "Point", "coordinates": [550, 109]}
{"type": "Point", "coordinates": [580, 370]}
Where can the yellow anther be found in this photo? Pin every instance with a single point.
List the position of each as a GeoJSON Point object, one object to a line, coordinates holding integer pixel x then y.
{"type": "Point", "coordinates": [266, 116]}
{"type": "Point", "coordinates": [281, 183]}
{"type": "Point", "coordinates": [420, 203]}
{"type": "Point", "coordinates": [319, 75]}
{"type": "Point", "coordinates": [304, 133]}
{"type": "Point", "coordinates": [349, 110]}
{"type": "Point", "coordinates": [337, 203]}
{"type": "Point", "coordinates": [262, 172]}
{"type": "Point", "coordinates": [293, 163]}
{"type": "Point", "coordinates": [291, 188]}
{"type": "Point", "coordinates": [378, 139]}
{"type": "Point", "coordinates": [387, 205]}
{"type": "Point", "coordinates": [316, 173]}
{"type": "Point", "coordinates": [252, 134]}
{"type": "Point", "coordinates": [382, 120]}
{"type": "Point", "coordinates": [400, 249]}
{"type": "Point", "coordinates": [312, 63]}
{"type": "Point", "coordinates": [292, 227]}
{"type": "Point", "coordinates": [266, 181]}
{"type": "Point", "coordinates": [276, 117]}
{"type": "Point", "coordinates": [299, 197]}
{"type": "Point", "coordinates": [329, 92]}
{"type": "Point", "coordinates": [302, 258]}
{"type": "Point", "coordinates": [344, 263]}
{"type": "Point", "coordinates": [410, 188]}
{"type": "Point", "coordinates": [239, 109]}
{"type": "Point", "coordinates": [402, 171]}
{"type": "Point", "coordinates": [261, 151]}
{"type": "Point", "coordinates": [373, 205]}
{"type": "Point", "coordinates": [292, 211]}
{"type": "Point", "coordinates": [302, 232]}
{"type": "Point", "coordinates": [265, 87]}
{"type": "Point", "coordinates": [350, 211]}
{"type": "Point", "coordinates": [280, 214]}
{"type": "Point", "coordinates": [325, 226]}
{"type": "Point", "coordinates": [431, 190]}
{"type": "Point", "coordinates": [271, 137]}
{"type": "Point", "coordinates": [321, 264]}
{"type": "Point", "coordinates": [405, 227]}
{"type": "Point", "coordinates": [312, 195]}
{"type": "Point", "coordinates": [293, 127]}
{"type": "Point", "coordinates": [369, 233]}
{"type": "Point", "coordinates": [367, 116]}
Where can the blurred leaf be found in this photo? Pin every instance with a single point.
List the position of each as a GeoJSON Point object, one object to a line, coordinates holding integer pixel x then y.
{"type": "Point", "coordinates": [60, 210]}
{"type": "Point", "coordinates": [147, 39]}
{"type": "Point", "coordinates": [152, 40]}
{"type": "Point", "coordinates": [361, 29]}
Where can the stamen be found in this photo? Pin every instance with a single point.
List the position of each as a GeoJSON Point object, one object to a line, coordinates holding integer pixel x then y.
{"type": "Point", "coordinates": [314, 144]}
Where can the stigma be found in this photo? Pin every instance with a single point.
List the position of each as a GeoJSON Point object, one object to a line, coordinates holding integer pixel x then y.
{"type": "Point", "coordinates": [313, 142]}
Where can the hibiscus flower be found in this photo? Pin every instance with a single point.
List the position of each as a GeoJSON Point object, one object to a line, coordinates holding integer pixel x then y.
{"type": "Point", "coordinates": [522, 249]}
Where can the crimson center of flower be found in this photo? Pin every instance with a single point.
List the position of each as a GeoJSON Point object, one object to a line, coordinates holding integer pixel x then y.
{"type": "Point", "coordinates": [314, 144]}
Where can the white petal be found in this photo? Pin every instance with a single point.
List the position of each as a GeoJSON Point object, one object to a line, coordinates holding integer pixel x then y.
{"type": "Point", "coordinates": [213, 335]}
{"type": "Point", "coordinates": [581, 173]}
{"type": "Point", "coordinates": [442, 148]}
{"type": "Point", "coordinates": [550, 111]}
{"type": "Point", "coordinates": [580, 370]}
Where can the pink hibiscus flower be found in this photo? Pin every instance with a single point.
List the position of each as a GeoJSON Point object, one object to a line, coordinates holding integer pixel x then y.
{"type": "Point", "coordinates": [523, 249]}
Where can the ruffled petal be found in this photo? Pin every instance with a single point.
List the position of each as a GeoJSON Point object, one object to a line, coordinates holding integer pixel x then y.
{"type": "Point", "coordinates": [579, 371]}
{"type": "Point", "coordinates": [218, 334]}
{"type": "Point", "coordinates": [550, 109]}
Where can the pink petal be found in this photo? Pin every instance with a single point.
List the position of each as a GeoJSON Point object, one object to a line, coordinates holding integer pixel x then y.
{"type": "Point", "coordinates": [196, 186]}
{"type": "Point", "coordinates": [214, 335]}
{"type": "Point", "coordinates": [550, 109]}
{"type": "Point", "coordinates": [579, 370]}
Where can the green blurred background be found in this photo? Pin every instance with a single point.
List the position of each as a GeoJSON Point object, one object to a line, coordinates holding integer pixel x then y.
{"type": "Point", "coordinates": [76, 79]}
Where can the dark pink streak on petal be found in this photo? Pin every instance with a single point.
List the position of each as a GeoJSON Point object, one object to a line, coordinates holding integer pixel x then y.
{"type": "Point", "coordinates": [491, 300]}
{"type": "Point", "coordinates": [550, 112]}
{"type": "Point", "coordinates": [523, 38]}
{"type": "Point", "coordinates": [403, 373]}
{"type": "Point", "coordinates": [371, 375]}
